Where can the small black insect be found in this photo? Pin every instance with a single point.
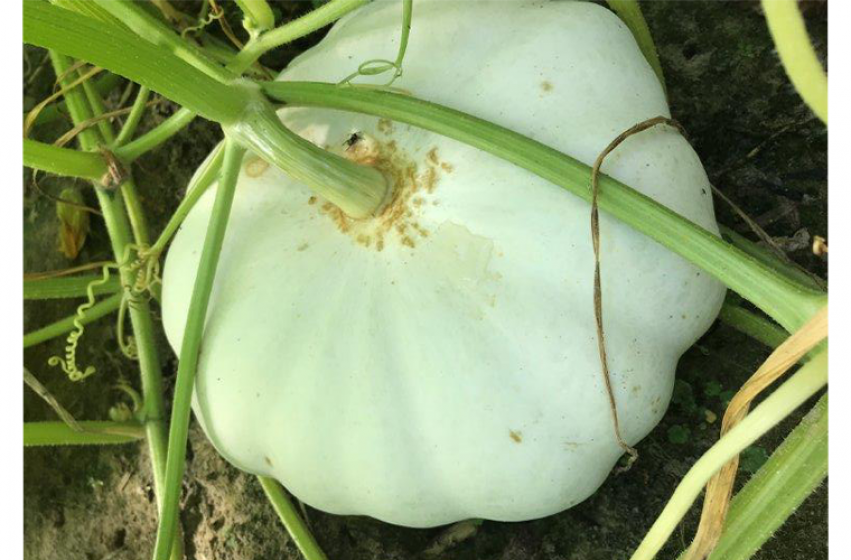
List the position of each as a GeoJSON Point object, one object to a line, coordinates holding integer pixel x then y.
{"type": "Point", "coordinates": [353, 139]}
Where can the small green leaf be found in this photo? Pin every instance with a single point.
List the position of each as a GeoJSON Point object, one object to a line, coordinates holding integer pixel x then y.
{"type": "Point", "coordinates": [684, 396]}
{"type": "Point", "coordinates": [712, 389]}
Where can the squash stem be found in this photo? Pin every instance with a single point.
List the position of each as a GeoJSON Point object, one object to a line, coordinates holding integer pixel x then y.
{"type": "Point", "coordinates": [308, 23]}
{"type": "Point", "coordinates": [358, 190]}
{"type": "Point", "coordinates": [288, 515]}
{"type": "Point", "coordinates": [66, 325]}
{"type": "Point", "coordinates": [134, 149]}
{"type": "Point", "coordinates": [64, 161]}
{"type": "Point", "coordinates": [258, 13]}
{"type": "Point", "coordinates": [69, 287]}
{"type": "Point", "coordinates": [197, 187]}
{"type": "Point", "coordinates": [755, 326]}
{"type": "Point", "coordinates": [158, 33]}
{"type": "Point", "coordinates": [119, 230]}
{"type": "Point", "coordinates": [190, 347]}
{"type": "Point", "coordinates": [788, 302]}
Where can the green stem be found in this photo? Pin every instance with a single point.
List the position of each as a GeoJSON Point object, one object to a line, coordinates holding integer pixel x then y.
{"type": "Point", "coordinates": [797, 54]}
{"type": "Point", "coordinates": [198, 186]}
{"type": "Point", "coordinates": [630, 12]}
{"type": "Point", "coordinates": [154, 67]}
{"type": "Point", "coordinates": [66, 325]}
{"type": "Point", "coordinates": [358, 190]}
{"type": "Point", "coordinates": [136, 113]}
{"type": "Point", "coordinates": [225, 53]}
{"type": "Point", "coordinates": [64, 161]}
{"type": "Point", "coordinates": [258, 13]}
{"type": "Point", "coordinates": [751, 324]}
{"type": "Point", "coordinates": [97, 108]}
{"type": "Point", "coordinates": [766, 257]}
{"type": "Point", "coordinates": [133, 150]}
{"type": "Point", "coordinates": [158, 33]}
{"type": "Point", "coordinates": [808, 380]}
{"type": "Point", "coordinates": [191, 344]}
{"type": "Point", "coordinates": [115, 218]}
{"type": "Point", "coordinates": [135, 213]}
{"type": "Point", "coordinates": [58, 110]}
{"type": "Point", "coordinates": [792, 473]}
{"type": "Point", "coordinates": [308, 23]}
{"type": "Point", "coordinates": [407, 11]}
{"type": "Point", "coordinates": [292, 522]}
{"type": "Point", "coordinates": [788, 302]}
{"type": "Point", "coordinates": [95, 433]}
{"type": "Point", "coordinates": [69, 287]}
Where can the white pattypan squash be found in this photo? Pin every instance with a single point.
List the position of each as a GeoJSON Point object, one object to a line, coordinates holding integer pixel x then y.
{"type": "Point", "coordinates": [439, 362]}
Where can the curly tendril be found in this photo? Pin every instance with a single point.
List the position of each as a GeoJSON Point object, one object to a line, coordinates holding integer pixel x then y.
{"type": "Point", "coordinates": [202, 23]}
{"type": "Point", "coordinates": [69, 364]}
{"type": "Point", "coordinates": [145, 268]}
{"type": "Point", "coordinates": [380, 66]}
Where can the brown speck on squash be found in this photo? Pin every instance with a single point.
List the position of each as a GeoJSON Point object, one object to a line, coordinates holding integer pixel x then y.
{"type": "Point", "coordinates": [302, 247]}
{"type": "Point", "coordinates": [268, 460]}
{"type": "Point", "coordinates": [255, 167]}
{"type": "Point", "coordinates": [516, 436]}
{"type": "Point", "coordinates": [311, 200]}
{"type": "Point", "coordinates": [419, 229]}
{"type": "Point", "coordinates": [385, 126]}
{"type": "Point", "coordinates": [409, 182]}
{"type": "Point", "coordinates": [546, 86]}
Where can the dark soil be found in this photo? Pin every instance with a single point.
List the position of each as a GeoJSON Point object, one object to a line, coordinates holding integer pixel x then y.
{"type": "Point", "coordinates": [760, 145]}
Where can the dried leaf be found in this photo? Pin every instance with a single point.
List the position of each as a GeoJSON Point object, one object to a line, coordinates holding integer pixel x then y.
{"type": "Point", "coordinates": [73, 223]}
{"type": "Point", "coordinates": [720, 488]}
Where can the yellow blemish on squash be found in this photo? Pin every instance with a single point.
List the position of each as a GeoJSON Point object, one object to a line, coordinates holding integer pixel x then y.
{"type": "Point", "coordinates": [431, 156]}
{"type": "Point", "coordinates": [411, 183]}
{"type": "Point", "coordinates": [385, 126]}
{"type": "Point", "coordinates": [255, 167]}
{"type": "Point", "coordinates": [419, 229]}
{"type": "Point", "coordinates": [516, 436]}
